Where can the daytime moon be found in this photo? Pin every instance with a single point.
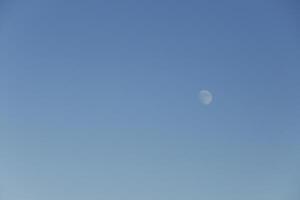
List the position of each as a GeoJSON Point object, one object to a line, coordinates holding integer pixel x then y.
{"type": "Point", "coordinates": [205, 97]}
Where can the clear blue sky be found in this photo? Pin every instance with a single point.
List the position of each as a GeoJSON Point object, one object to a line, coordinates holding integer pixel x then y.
{"type": "Point", "coordinates": [98, 100]}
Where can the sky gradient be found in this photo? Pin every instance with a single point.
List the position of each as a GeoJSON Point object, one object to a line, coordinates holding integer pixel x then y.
{"type": "Point", "coordinates": [99, 100]}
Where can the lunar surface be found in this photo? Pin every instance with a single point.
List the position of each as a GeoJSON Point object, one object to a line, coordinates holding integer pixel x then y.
{"type": "Point", "coordinates": [205, 97]}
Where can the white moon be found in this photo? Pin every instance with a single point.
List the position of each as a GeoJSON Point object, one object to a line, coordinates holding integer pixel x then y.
{"type": "Point", "coordinates": [205, 97]}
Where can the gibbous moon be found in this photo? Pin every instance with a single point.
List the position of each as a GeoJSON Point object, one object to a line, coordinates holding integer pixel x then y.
{"type": "Point", "coordinates": [205, 97]}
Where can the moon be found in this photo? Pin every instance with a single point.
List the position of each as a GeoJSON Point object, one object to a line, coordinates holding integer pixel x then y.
{"type": "Point", "coordinates": [205, 97]}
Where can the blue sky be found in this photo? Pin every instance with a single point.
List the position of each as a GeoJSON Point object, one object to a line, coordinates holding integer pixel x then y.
{"type": "Point", "coordinates": [99, 100]}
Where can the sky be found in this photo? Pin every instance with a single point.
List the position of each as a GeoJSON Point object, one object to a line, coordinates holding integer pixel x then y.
{"type": "Point", "coordinates": [99, 100]}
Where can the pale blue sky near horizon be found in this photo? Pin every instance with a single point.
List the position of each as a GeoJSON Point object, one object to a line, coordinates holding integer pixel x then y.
{"type": "Point", "coordinates": [99, 100]}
